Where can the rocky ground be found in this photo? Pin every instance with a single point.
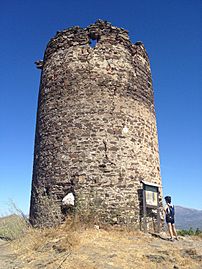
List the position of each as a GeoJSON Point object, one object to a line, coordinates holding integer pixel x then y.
{"type": "Point", "coordinates": [8, 259]}
{"type": "Point", "coordinates": [100, 249]}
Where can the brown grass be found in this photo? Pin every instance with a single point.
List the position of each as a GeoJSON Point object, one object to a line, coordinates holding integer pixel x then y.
{"type": "Point", "coordinates": [13, 226]}
{"type": "Point", "coordinates": [75, 245]}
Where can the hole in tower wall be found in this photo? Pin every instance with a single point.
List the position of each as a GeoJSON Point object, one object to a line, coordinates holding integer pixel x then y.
{"type": "Point", "coordinates": [93, 39]}
{"type": "Point", "coordinates": [92, 43]}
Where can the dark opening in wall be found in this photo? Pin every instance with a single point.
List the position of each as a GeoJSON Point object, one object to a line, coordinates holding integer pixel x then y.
{"type": "Point", "coordinates": [93, 39]}
{"type": "Point", "coordinates": [92, 43]}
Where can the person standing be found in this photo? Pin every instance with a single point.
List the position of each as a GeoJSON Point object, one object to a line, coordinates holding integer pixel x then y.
{"type": "Point", "coordinates": [170, 218]}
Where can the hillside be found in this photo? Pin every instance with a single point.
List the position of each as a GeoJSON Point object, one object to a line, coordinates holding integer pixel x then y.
{"type": "Point", "coordinates": [101, 249]}
{"type": "Point", "coordinates": [187, 218]}
{"type": "Point", "coordinates": [77, 246]}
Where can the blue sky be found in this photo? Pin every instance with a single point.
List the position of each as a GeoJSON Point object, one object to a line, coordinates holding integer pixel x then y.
{"type": "Point", "coordinates": [171, 32]}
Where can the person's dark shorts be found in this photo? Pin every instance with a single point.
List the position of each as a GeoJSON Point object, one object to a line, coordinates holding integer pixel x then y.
{"type": "Point", "coordinates": [170, 220]}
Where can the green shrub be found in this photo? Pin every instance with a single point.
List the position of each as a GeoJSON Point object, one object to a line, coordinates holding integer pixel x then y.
{"type": "Point", "coordinates": [189, 232]}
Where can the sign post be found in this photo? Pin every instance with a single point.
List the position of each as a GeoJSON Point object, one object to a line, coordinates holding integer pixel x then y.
{"type": "Point", "coordinates": [150, 200]}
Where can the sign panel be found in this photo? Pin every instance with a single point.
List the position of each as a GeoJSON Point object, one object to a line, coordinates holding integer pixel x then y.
{"type": "Point", "coordinates": [151, 193]}
{"type": "Point", "coordinates": [150, 200]}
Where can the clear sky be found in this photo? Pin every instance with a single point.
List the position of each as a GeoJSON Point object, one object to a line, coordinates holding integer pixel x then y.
{"type": "Point", "coordinates": [171, 32]}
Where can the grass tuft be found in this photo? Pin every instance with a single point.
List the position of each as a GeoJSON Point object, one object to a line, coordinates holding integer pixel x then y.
{"type": "Point", "coordinates": [13, 227]}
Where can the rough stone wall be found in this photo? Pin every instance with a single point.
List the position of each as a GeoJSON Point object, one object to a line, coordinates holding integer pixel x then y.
{"type": "Point", "coordinates": [88, 97]}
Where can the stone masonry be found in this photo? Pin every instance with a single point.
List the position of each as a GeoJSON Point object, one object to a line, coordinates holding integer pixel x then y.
{"type": "Point", "coordinates": [96, 126]}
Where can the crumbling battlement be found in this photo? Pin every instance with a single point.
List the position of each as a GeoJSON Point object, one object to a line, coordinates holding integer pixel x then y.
{"type": "Point", "coordinates": [96, 126]}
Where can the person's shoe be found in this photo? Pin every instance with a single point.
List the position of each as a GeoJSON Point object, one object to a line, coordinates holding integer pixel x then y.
{"type": "Point", "coordinates": [171, 239]}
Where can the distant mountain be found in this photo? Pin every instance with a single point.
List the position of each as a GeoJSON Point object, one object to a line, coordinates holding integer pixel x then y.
{"type": "Point", "coordinates": [187, 218]}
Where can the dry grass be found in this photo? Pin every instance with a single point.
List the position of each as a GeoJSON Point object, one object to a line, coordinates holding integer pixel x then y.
{"type": "Point", "coordinates": [82, 243]}
{"type": "Point", "coordinates": [75, 245]}
{"type": "Point", "coordinates": [13, 226]}
{"type": "Point", "coordinates": [61, 239]}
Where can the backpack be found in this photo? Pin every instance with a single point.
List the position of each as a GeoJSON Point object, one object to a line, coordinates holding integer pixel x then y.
{"type": "Point", "coordinates": [171, 211]}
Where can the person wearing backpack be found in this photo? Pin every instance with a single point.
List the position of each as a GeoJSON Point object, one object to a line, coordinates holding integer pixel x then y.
{"type": "Point", "coordinates": [170, 219]}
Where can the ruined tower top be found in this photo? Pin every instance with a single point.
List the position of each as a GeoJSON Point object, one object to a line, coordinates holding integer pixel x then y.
{"type": "Point", "coordinates": [102, 36]}
{"type": "Point", "coordinates": [100, 31]}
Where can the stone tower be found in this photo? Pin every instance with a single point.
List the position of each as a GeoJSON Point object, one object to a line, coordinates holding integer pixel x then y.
{"type": "Point", "coordinates": [96, 126]}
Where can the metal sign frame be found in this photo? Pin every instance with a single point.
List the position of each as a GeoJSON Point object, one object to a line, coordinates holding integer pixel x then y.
{"type": "Point", "coordinates": [150, 200]}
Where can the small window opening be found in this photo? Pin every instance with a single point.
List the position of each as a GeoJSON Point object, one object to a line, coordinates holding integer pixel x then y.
{"type": "Point", "coordinates": [93, 39]}
{"type": "Point", "coordinates": [93, 43]}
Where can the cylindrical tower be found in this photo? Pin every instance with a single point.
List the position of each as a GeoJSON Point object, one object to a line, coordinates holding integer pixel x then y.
{"type": "Point", "coordinates": [96, 126]}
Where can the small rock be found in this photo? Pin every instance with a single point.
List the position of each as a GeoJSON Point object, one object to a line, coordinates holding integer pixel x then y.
{"type": "Point", "coordinates": [155, 258]}
{"type": "Point", "coordinates": [97, 227]}
{"type": "Point", "coordinates": [188, 252]}
{"type": "Point", "coordinates": [112, 256]}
